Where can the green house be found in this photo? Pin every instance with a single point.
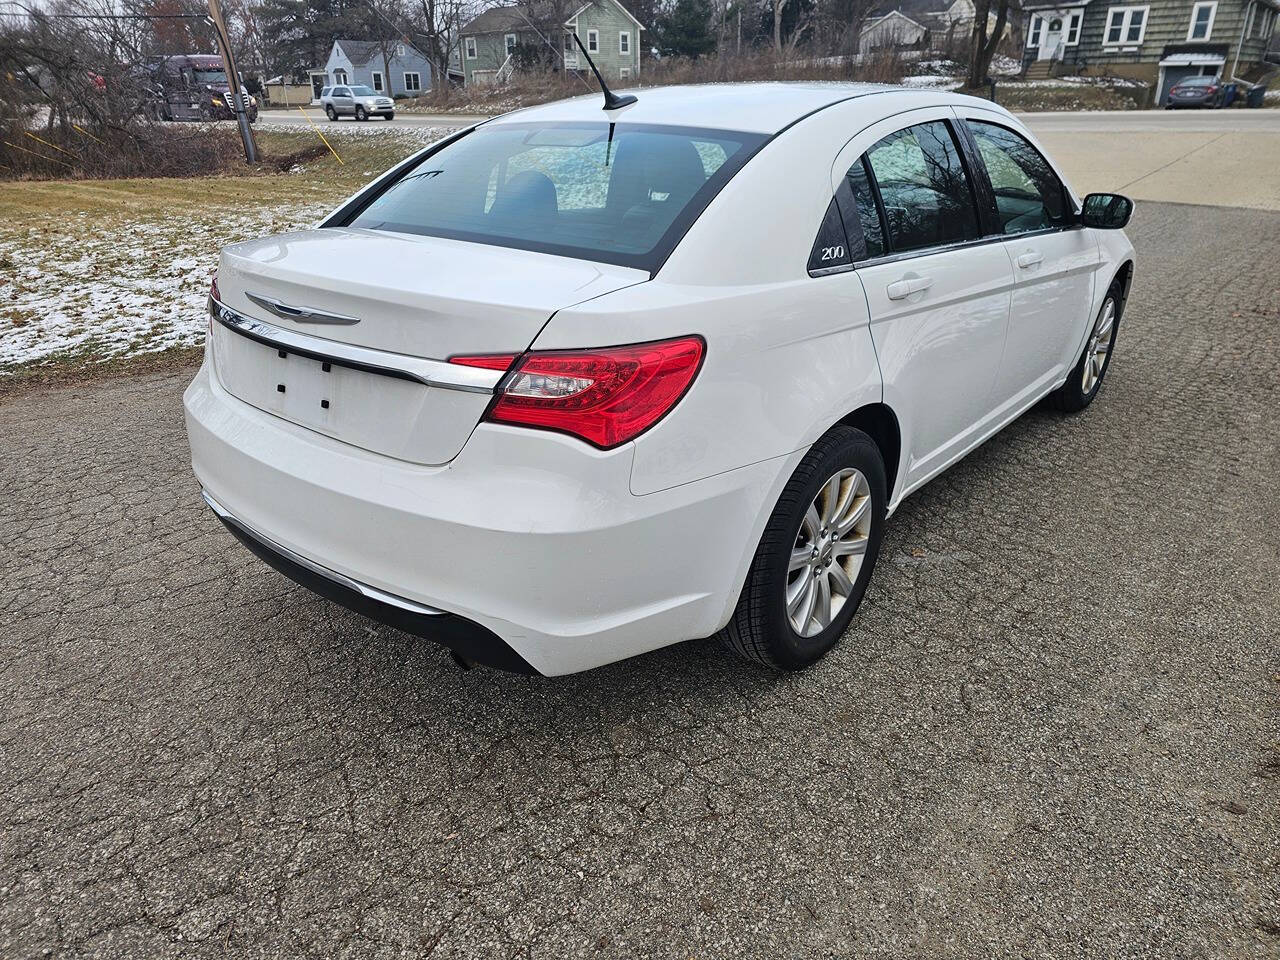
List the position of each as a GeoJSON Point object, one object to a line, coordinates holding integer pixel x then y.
{"type": "Point", "coordinates": [607, 29]}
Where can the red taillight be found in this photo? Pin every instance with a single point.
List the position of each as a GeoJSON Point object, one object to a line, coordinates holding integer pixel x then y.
{"type": "Point", "coordinates": [498, 361]}
{"type": "Point", "coordinates": [606, 396]}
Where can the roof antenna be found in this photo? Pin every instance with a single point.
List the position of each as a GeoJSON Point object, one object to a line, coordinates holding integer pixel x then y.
{"type": "Point", "coordinates": [611, 100]}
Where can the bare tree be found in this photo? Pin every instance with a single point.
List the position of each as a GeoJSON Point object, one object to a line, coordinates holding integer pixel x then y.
{"type": "Point", "coordinates": [778, 7]}
{"type": "Point", "coordinates": [439, 26]}
{"type": "Point", "coordinates": [981, 46]}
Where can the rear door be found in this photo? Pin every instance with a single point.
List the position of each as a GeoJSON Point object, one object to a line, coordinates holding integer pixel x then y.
{"type": "Point", "coordinates": [938, 297]}
{"type": "Point", "coordinates": [1052, 258]}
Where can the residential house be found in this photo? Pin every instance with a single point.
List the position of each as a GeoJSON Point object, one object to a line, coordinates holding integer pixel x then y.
{"type": "Point", "coordinates": [1156, 41]}
{"type": "Point", "coordinates": [408, 74]}
{"type": "Point", "coordinates": [939, 26]}
{"type": "Point", "coordinates": [607, 29]}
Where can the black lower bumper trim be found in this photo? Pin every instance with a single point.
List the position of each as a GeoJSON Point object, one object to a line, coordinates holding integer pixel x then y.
{"type": "Point", "coordinates": [464, 637]}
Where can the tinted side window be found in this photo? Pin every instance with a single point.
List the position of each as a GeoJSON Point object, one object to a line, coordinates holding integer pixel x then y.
{"type": "Point", "coordinates": [1029, 196]}
{"type": "Point", "coordinates": [926, 195]}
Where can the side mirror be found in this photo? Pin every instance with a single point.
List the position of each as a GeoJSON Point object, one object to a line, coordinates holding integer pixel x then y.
{"type": "Point", "coordinates": [1106, 211]}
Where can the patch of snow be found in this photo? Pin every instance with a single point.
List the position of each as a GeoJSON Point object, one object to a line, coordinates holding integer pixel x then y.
{"type": "Point", "coordinates": [72, 286]}
{"type": "Point", "coordinates": [933, 81]}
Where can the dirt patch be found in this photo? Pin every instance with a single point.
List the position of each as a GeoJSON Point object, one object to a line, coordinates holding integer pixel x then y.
{"type": "Point", "coordinates": [73, 370]}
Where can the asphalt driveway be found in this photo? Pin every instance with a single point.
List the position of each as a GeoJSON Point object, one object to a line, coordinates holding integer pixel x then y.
{"type": "Point", "coordinates": [1053, 730]}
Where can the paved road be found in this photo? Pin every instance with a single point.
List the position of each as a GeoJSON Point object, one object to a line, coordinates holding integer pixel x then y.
{"type": "Point", "coordinates": [1054, 729]}
{"type": "Point", "coordinates": [1155, 121]}
{"type": "Point", "coordinates": [1116, 121]}
{"type": "Point", "coordinates": [316, 116]}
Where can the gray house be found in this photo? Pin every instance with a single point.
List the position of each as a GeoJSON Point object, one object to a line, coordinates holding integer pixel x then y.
{"type": "Point", "coordinates": [919, 25]}
{"type": "Point", "coordinates": [1156, 41]}
{"type": "Point", "coordinates": [607, 29]}
{"type": "Point", "coordinates": [362, 62]}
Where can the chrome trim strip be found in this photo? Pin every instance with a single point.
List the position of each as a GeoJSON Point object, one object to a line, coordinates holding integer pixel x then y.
{"type": "Point", "coordinates": [286, 311]}
{"type": "Point", "coordinates": [433, 373]}
{"type": "Point", "coordinates": [372, 593]}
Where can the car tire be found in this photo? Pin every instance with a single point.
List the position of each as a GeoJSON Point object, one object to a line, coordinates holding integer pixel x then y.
{"type": "Point", "coordinates": [360, 114]}
{"type": "Point", "coordinates": [1080, 389]}
{"type": "Point", "coordinates": [391, 116]}
{"type": "Point", "coordinates": [331, 113]}
{"type": "Point", "coordinates": [841, 478]}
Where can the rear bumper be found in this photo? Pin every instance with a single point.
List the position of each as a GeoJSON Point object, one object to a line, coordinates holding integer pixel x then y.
{"type": "Point", "coordinates": [528, 538]}
{"type": "Point", "coordinates": [467, 639]}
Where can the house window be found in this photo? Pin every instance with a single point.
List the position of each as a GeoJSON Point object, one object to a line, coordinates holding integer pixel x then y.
{"type": "Point", "coordinates": [593, 41]}
{"type": "Point", "coordinates": [624, 73]}
{"type": "Point", "coordinates": [412, 82]}
{"type": "Point", "coordinates": [624, 43]}
{"type": "Point", "coordinates": [399, 49]}
{"type": "Point", "coordinates": [568, 43]}
{"type": "Point", "coordinates": [340, 77]}
{"type": "Point", "coordinates": [471, 48]}
{"type": "Point", "coordinates": [1202, 15]}
{"type": "Point", "coordinates": [510, 40]}
{"type": "Point", "coordinates": [1073, 28]}
{"type": "Point", "coordinates": [1126, 25]}
{"type": "Point", "coordinates": [377, 82]}
{"type": "Point", "coordinates": [1037, 31]}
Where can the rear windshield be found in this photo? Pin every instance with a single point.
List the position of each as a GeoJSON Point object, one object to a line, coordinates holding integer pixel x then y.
{"type": "Point", "coordinates": [1198, 82]}
{"type": "Point", "coordinates": [624, 196]}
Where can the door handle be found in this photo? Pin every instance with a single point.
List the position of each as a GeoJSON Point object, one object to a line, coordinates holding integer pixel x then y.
{"type": "Point", "coordinates": [901, 289]}
{"type": "Point", "coordinates": [1030, 259]}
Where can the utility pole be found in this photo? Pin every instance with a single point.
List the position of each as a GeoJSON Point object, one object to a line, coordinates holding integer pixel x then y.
{"type": "Point", "coordinates": [233, 81]}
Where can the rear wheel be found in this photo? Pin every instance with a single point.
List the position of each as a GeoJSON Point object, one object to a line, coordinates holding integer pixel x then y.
{"type": "Point", "coordinates": [816, 555]}
{"type": "Point", "coordinates": [332, 113]}
{"type": "Point", "coordinates": [1084, 382]}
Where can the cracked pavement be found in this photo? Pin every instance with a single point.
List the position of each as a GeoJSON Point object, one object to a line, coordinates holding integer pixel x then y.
{"type": "Point", "coordinates": [1052, 730]}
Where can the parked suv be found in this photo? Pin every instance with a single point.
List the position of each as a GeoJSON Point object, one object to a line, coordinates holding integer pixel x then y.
{"type": "Point", "coordinates": [358, 101]}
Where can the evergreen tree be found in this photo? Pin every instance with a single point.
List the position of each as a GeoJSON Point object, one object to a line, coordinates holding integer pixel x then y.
{"type": "Point", "coordinates": [684, 29]}
{"type": "Point", "coordinates": [298, 34]}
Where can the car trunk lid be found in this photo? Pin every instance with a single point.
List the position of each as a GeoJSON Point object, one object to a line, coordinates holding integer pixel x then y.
{"type": "Point", "coordinates": [318, 298]}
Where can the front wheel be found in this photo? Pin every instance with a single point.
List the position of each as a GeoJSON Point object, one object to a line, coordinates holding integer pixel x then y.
{"type": "Point", "coordinates": [360, 114]}
{"type": "Point", "coordinates": [816, 555]}
{"type": "Point", "coordinates": [1085, 380]}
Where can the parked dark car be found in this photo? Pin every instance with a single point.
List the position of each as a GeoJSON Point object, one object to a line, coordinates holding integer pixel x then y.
{"type": "Point", "coordinates": [193, 87]}
{"type": "Point", "coordinates": [1196, 92]}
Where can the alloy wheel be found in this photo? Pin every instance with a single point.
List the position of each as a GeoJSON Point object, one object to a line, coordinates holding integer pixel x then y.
{"type": "Point", "coordinates": [828, 553]}
{"type": "Point", "coordinates": [1099, 347]}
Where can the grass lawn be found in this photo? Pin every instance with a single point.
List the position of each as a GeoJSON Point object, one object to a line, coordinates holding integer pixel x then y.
{"type": "Point", "coordinates": [112, 274]}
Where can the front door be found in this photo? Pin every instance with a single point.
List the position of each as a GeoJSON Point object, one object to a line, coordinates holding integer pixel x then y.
{"type": "Point", "coordinates": [1053, 260]}
{"type": "Point", "coordinates": [938, 298]}
{"type": "Point", "coordinates": [317, 84]}
{"type": "Point", "coordinates": [1051, 41]}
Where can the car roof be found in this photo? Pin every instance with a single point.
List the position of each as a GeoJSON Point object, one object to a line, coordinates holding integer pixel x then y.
{"type": "Point", "coordinates": [750, 107]}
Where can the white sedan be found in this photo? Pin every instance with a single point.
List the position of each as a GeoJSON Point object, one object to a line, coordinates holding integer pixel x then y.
{"type": "Point", "coordinates": [576, 384]}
